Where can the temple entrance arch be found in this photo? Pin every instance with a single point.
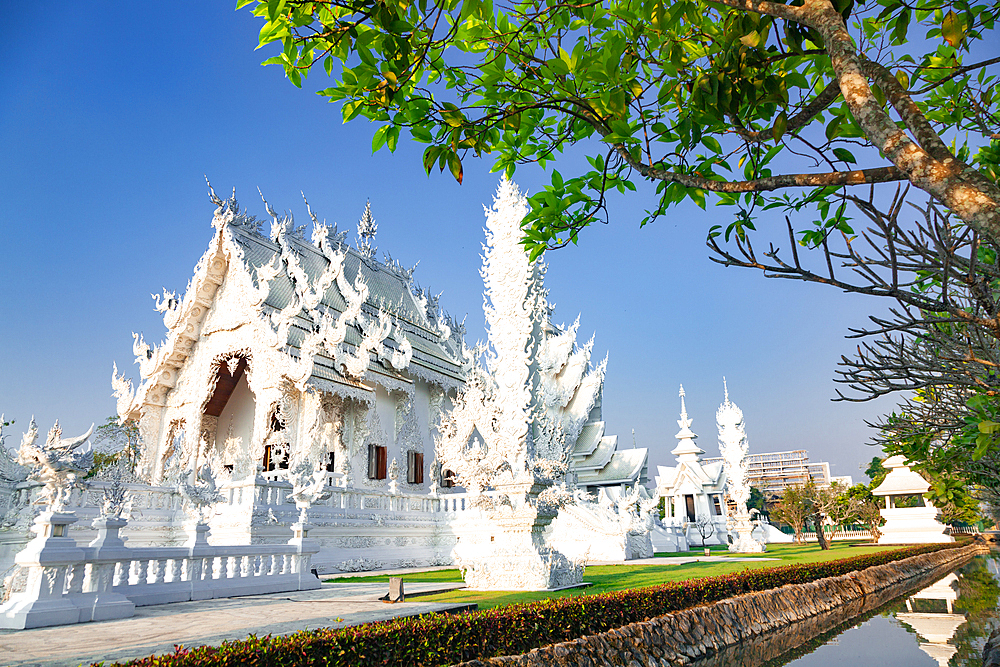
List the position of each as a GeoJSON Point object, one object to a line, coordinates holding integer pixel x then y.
{"type": "Point", "coordinates": [232, 407]}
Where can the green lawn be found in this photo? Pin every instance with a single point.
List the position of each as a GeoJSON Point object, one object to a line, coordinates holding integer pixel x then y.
{"type": "Point", "coordinates": [617, 577]}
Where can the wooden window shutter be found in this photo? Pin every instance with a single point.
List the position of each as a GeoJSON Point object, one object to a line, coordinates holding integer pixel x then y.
{"type": "Point", "coordinates": [382, 455]}
{"type": "Point", "coordinates": [415, 468]}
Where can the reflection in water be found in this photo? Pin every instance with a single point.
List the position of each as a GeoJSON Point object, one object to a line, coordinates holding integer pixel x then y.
{"type": "Point", "coordinates": [944, 623]}
{"type": "Point", "coordinates": [930, 613]}
{"type": "Point", "coordinates": [948, 621]}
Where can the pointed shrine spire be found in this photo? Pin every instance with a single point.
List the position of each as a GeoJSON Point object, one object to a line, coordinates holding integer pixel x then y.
{"type": "Point", "coordinates": [725, 388]}
{"type": "Point", "coordinates": [686, 449]}
{"type": "Point", "coordinates": [366, 232]}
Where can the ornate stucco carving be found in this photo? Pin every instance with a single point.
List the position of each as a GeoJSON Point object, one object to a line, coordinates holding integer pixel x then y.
{"type": "Point", "coordinates": [733, 446]}
{"type": "Point", "coordinates": [514, 425]}
{"type": "Point", "coordinates": [532, 397]}
{"type": "Point", "coordinates": [10, 471]}
{"type": "Point", "coordinates": [56, 463]}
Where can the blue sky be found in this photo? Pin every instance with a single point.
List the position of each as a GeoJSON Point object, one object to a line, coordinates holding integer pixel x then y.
{"type": "Point", "coordinates": [111, 113]}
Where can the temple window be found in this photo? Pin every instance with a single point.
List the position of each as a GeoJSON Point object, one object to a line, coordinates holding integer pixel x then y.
{"type": "Point", "coordinates": [377, 456]}
{"type": "Point", "coordinates": [447, 479]}
{"type": "Point", "coordinates": [330, 467]}
{"type": "Point", "coordinates": [716, 506]}
{"type": "Point", "coordinates": [689, 501]}
{"type": "Point", "coordinates": [414, 468]}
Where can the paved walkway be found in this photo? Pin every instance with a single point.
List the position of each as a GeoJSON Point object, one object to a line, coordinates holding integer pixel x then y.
{"type": "Point", "coordinates": [156, 629]}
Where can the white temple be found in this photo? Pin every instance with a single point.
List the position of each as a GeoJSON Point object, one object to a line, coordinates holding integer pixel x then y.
{"type": "Point", "coordinates": [692, 490]}
{"type": "Point", "coordinates": [305, 375]}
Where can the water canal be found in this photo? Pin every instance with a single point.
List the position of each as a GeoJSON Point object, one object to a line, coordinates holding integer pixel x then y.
{"type": "Point", "coordinates": [943, 623]}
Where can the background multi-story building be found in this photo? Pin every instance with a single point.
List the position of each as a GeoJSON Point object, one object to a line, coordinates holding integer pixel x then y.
{"type": "Point", "coordinates": [773, 472]}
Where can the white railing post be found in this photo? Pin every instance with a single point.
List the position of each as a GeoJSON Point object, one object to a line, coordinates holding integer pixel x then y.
{"type": "Point", "coordinates": [102, 555]}
{"type": "Point", "coordinates": [302, 559]}
{"type": "Point", "coordinates": [47, 557]}
{"type": "Point", "coordinates": [198, 548]}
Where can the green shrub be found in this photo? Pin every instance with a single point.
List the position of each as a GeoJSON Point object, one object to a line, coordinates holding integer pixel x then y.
{"type": "Point", "coordinates": [440, 639]}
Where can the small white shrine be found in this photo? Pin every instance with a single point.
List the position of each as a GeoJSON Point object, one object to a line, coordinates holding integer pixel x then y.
{"type": "Point", "coordinates": [693, 491]}
{"type": "Point", "coordinates": [909, 517]}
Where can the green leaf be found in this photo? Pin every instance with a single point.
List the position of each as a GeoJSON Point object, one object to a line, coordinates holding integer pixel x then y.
{"type": "Point", "coordinates": [952, 29]}
{"type": "Point", "coordinates": [844, 155]}
{"type": "Point", "coordinates": [712, 144]}
{"type": "Point", "coordinates": [780, 125]}
{"type": "Point", "coordinates": [903, 78]}
{"type": "Point", "coordinates": [455, 166]}
{"type": "Point", "coordinates": [752, 39]}
{"type": "Point", "coordinates": [988, 427]}
{"type": "Point", "coordinates": [831, 128]}
{"type": "Point", "coordinates": [379, 139]}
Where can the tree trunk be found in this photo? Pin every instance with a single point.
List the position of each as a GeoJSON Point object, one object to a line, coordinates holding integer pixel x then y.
{"type": "Point", "coordinates": [820, 535]}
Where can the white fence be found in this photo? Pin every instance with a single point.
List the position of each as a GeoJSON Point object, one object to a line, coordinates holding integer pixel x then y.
{"type": "Point", "coordinates": [867, 534]}
{"type": "Point", "coordinates": [68, 584]}
{"type": "Point", "coordinates": [840, 535]}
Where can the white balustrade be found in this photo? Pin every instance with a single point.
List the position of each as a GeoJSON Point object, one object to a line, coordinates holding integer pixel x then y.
{"type": "Point", "coordinates": [104, 580]}
{"type": "Point", "coordinates": [840, 535]}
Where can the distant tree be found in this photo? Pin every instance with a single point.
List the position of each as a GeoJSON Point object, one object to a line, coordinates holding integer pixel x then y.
{"type": "Point", "coordinates": [876, 471]}
{"type": "Point", "coordinates": [837, 505]}
{"type": "Point", "coordinates": [705, 526]}
{"type": "Point", "coordinates": [819, 500]}
{"type": "Point", "coordinates": [662, 507]}
{"type": "Point", "coordinates": [869, 513]}
{"type": "Point", "coordinates": [115, 442]}
{"type": "Point", "coordinates": [793, 509]}
{"type": "Point", "coordinates": [757, 501]}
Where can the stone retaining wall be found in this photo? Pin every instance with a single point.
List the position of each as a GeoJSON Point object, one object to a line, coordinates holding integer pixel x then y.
{"type": "Point", "coordinates": [730, 631]}
{"type": "Point", "coordinates": [991, 652]}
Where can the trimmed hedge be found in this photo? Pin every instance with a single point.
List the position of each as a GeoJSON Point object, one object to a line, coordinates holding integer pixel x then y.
{"type": "Point", "coordinates": [440, 639]}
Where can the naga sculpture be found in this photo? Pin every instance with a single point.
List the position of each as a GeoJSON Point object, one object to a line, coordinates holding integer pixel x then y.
{"type": "Point", "coordinates": [199, 494]}
{"type": "Point", "coordinates": [57, 463]}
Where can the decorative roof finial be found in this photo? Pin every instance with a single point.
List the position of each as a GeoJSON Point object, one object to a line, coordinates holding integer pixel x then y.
{"type": "Point", "coordinates": [686, 449]}
{"type": "Point", "coordinates": [366, 232]}
{"type": "Point", "coordinates": [725, 388]}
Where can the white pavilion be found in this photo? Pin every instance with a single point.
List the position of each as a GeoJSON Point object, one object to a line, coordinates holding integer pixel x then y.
{"type": "Point", "coordinates": [693, 489]}
{"type": "Point", "coordinates": [909, 517]}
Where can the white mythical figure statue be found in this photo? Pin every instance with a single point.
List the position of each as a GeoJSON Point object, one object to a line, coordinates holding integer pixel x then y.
{"type": "Point", "coordinates": [199, 494]}
{"type": "Point", "coordinates": [57, 463]}
{"type": "Point", "coordinates": [509, 437]}
{"type": "Point", "coordinates": [733, 447]}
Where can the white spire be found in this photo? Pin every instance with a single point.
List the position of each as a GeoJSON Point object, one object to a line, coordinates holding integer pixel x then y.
{"type": "Point", "coordinates": [366, 232]}
{"type": "Point", "coordinates": [686, 449]}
